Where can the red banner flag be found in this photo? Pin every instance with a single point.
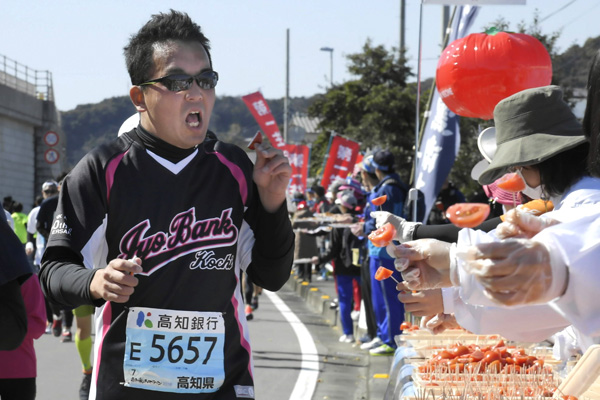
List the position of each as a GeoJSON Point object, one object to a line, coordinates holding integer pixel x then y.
{"type": "Point", "coordinates": [298, 156]}
{"type": "Point", "coordinates": [262, 114]}
{"type": "Point", "coordinates": [340, 161]}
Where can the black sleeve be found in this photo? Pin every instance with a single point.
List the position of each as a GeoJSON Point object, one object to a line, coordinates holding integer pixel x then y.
{"type": "Point", "coordinates": [44, 220]}
{"type": "Point", "coordinates": [31, 238]}
{"type": "Point", "coordinates": [449, 232]}
{"type": "Point", "coordinates": [64, 280]}
{"type": "Point", "coordinates": [336, 246]}
{"type": "Point", "coordinates": [14, 264]}
{"type": "Point", "coordinates": [13, 316]}
{"type": "Point", "coordinates": [273, 251]}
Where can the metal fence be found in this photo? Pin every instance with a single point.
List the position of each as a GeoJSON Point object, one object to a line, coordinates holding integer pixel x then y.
{"type": "Point", "coordinates": [24, 79]}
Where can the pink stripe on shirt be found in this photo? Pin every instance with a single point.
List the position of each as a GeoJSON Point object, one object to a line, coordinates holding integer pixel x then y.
{"type": "Point", "coordinates": [237, 173]}
{"type": "Point", "coordinates": [111, 168]}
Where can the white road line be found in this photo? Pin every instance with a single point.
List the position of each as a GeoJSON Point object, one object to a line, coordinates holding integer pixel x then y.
{"type": "Point", "coordinates": [309, 368]}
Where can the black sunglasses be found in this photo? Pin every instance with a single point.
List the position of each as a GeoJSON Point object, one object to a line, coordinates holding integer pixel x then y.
{"type": "Point", "coordinates": [178, 82]}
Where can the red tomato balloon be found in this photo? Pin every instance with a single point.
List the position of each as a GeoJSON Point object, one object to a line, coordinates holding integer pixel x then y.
{"type": "Point", "coordinates": [467, 215]}
{"type": "Point", "coordinates": [475, 72]}
{"type": "Point", "coordinates": [377, 201]}
{"type": "Point", "coordinates": [257, 139]}
{"type": "Point", "coordinates": [511, 182]}
{"type": "Point", "coordinates": [382, 236]}
{"type": "Point", "coordinates": [383, 273]}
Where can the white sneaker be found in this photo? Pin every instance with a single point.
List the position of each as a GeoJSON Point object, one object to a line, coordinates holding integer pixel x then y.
{"type": "Point", "coordinates": [354, 315]}
{"type": "Point", "coordinates": [347, 339]}
{"type": "Point", "coordinates": [372, 344]}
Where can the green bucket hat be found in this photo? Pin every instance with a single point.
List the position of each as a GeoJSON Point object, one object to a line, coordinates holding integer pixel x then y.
{"type": "Point", "coordinates": [531, 126]}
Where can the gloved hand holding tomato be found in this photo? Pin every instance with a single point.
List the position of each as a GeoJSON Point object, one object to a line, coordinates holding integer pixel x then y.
{"type": "Point", "coordinates": [424, 263]}
{"type": "Point", "coordinates": [519, 223]}
{"type": "Point", "coordinates": [404, 228]}
{"type": "Point", "coordinates": [383, 236]}
{"type": "Point", "coordinates": [515, 271]}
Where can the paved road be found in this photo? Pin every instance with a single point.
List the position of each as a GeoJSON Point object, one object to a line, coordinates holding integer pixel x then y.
{"type": "Point", "coordinates": [279, 362]}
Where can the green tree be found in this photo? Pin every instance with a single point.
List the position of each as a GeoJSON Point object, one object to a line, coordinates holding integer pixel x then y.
{"type": "Point", "coordinates": [377, 109]}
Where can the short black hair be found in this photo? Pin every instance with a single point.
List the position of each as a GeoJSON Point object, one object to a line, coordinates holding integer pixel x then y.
{"type": "Point", "coordinates": [560, 172]}
{"type": "Point", "coordinates": [318, 189]}
{"type": "Point", "coordinates": [384, 161]}
{"type": "Point", "coordinates": [161, 28]}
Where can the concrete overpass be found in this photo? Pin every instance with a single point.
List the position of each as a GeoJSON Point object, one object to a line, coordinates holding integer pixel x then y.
{"type": "Point", "coordinates": [32, 143]}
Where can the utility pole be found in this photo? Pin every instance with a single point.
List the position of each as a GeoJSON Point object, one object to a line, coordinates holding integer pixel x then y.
{"type": "Point", "coordinates": [287, 87]}
{"type": "Point", "coordinates": [445, 19]}
{"type": "Point", "coordinates": [330, 50]}
{"type": "Point", "coordinates": [402, 25]}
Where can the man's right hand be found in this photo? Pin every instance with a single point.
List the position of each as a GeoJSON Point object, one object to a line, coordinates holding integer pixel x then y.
{"type": "Point", "coordinates": [116, 282]}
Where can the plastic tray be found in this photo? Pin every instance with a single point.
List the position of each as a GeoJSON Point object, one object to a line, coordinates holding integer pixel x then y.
{"type": "Point", "coordinates": [583, 381]}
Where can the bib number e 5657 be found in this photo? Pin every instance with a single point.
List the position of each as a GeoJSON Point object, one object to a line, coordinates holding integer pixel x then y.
{"type": "Point", "coordinates": [174, 351]}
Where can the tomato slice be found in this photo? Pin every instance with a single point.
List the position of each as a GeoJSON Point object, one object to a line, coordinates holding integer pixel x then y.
{"type": "Point", "coordinates": [383, 273]}
{"type": "Point", "coordinates": [257, 139]}
{"type": "Point", "coordinates": [382, 236]}
{"type": "Point", "coordinates": [405, 325]}
{"type": "Point", "coordinates": [460, 350]}
{"type": "Point", "coordinates": [467, 215]}
{"type": "Point", "coordinates": [377, 201]}
{"type": "Point", "coordinates": [511, 182]}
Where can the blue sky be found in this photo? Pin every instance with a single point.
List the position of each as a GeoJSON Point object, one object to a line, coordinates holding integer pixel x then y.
{"type": "Point", "coordinates": [81, 42]}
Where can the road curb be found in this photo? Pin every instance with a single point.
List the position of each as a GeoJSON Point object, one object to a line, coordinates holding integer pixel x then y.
{"type": "Point", "coordinates": [317, 300]}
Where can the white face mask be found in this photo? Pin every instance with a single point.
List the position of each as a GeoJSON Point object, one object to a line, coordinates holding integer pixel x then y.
{"type": "Point", "coordinates": [533, 193]}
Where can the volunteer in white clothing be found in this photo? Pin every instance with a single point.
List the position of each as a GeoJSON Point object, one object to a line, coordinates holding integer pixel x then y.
{"type": "Point", "coordinates": [534, 128]}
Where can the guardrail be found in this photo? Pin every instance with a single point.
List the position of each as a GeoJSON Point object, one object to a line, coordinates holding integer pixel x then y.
{"type": "Point", "coordinates": [27, 80]}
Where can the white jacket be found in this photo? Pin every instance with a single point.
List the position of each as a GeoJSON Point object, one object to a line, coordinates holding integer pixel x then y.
{"type": "Point", "coordinates": [575, 255]}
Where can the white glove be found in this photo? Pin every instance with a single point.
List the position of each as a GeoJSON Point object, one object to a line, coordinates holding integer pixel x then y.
{"type": "Point", "coordinates": [520, 223]}
{"type": "Point", "coordinates": [424, 263]}
{"type": "Point", "coordinates": [516, 272]}
{"type": "Point", "coordinates": [438, 323]}
{"type": "Point", "coordinates": [29, 248]}
{"type": "Point", "coordinates": [404, 229]}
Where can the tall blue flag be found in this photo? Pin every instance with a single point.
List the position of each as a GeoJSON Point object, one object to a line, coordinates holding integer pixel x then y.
{"type": "Point", "coordinates": [441, 136]}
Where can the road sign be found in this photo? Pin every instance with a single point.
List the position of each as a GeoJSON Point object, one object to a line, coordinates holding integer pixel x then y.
{"type": "Point", "coordinates": [51, 156]}
{"type": "Point", "coordinates": [51, 138]}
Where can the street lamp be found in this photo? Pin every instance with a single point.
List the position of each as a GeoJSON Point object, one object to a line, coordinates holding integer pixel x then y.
{"type": "Point", "coordinates": [330, 50]}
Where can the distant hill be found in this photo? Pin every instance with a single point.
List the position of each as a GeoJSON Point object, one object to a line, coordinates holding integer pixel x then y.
{"type": "Point", "coordinates": [90, 125]}
{"type": "Point", "coordinates": [572, 66]}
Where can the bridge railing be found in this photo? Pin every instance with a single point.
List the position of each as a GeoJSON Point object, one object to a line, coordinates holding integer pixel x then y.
{"type": "Point", "coordinates": [27, 80]}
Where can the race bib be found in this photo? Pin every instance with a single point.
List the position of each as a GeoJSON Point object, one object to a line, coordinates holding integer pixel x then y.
{"type": "Point", "coordinates": [174, 351]}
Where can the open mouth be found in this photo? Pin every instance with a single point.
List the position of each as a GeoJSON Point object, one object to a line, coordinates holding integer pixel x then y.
{"type": "Point", "coordinates": [193, 119]}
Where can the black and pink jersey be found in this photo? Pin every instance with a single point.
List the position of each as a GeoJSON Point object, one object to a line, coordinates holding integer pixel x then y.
{"type": "Point", "coordinates": [183, 333]}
